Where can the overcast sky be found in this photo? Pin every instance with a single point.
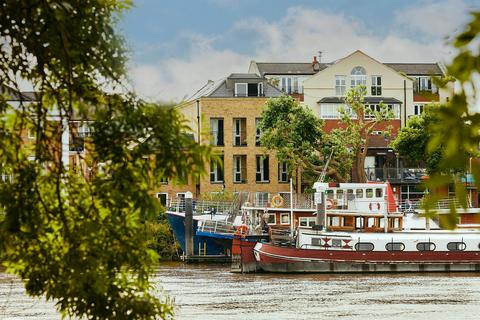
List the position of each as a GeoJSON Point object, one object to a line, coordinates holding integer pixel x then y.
{"type": "Point", "coordinates": [176, 46]}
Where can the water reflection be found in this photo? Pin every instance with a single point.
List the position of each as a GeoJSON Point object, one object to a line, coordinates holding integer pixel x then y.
{"type": "Point", "coordinates": [212, 292]}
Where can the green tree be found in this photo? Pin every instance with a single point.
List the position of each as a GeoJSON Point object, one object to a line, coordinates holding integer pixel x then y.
{"type": "Point", "coordinates": [458, 128]}
{"type": "Point", "coordinates": [82, 240]}
{"type": "Point", "coordinates": [296, 135]}
{"type": "Point", "coordinates": [412, 141]}
{"type": "Point", "coordinates": [359, 128]}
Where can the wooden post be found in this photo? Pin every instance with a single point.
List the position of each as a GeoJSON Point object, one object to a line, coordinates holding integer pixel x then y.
{"type": "Point", "coordinates": [188, 225]}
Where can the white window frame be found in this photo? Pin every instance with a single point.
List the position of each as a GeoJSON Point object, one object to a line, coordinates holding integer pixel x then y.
{"type": "Point", "coordinates": [260, 89]}
{"type": "Point", "coordinates": [237, 168]}
{"type": "Point", "coordinates": [340, 85]}
{"type": "Point", "coordinates": [237, 132]}
{"type": "Point", "coordinates": [307, 220]}
{"type": "Point", "coordinates": [283, 215]}
{"type": "Point", "coordinates": [239, 84]}
{"type": "Point", "coordinates": [261, 168]}
{"type": "Point", "coordinates": [358, 76]}
{"type": "Point", "coordinates": [163, 193]}
{"type": "Point", "coordinates": [418, 109]}
{"type": "Point", "coordinates": [376, 85]}
{"type": "Point", "coordinates": [282, 170]}
{"type": "Point", "coordinates": [214, 131]}
{"type": "Point", "coordinates": [274, 219]}
{"type": "Point", "coordinates": [214, 170]}
{"type": "Point", "coordinates": [261, 198]}
{"type": "Point", "coordinates": [84, 130]}
{"type": "Point", "coordinates": [295, 88]}
{"type": "Point", "coordinates": [258, 133]}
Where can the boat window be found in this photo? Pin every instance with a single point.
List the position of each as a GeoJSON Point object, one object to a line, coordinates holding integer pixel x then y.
{"type": "Point", "coordinates": [350, 195]}
{"type": "Point", "coordinates": [456, 246]}
{"type": "Point", "coordinates": [336, 243]}
{"type": "Point", "coordinates": [370, 222]}
{"type": "Point", "coordinates": [272, 218]}
{"type": "Point", "coordinates": [329, 194]}
{"type": "Point", "coordinates": [378, 193]}
{"type": "Point", "coordinates": [395, 246]}
{"type": "Point", "coordinates": [316, 242]}
{"type": "Point", "coordinates": [426, 246]}
{"type": "Point", "coordinates": [339, 194]}
{"type": "Point", "coordinates": [335, 222]}
{"type": "Point", "coordinates": [369, 193]}
{"type": "Point", "coordinates": [359, 193]}
{"type": "Point", "coordinates": [364, 246]}
{"type": "Point", "coordinates": [285, 218]}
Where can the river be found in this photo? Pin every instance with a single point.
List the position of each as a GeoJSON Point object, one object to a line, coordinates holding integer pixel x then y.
{"type": "Point", "coordinates": [212, 292]}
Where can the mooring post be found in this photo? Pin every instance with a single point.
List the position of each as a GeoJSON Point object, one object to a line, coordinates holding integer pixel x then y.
{"type": "Point", "coordinates": [188, 225]}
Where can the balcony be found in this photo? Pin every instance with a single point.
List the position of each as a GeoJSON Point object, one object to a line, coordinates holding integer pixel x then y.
{"type": "Point", "coordinates": [396, 175]}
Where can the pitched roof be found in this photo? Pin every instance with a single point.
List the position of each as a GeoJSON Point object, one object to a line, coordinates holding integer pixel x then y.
{"type": "Point", "coordinates": [243, 76]}
{"type": "Point", "coordinates": [427, 69]}
{"type": "Point", "coordinates": [287, 67]}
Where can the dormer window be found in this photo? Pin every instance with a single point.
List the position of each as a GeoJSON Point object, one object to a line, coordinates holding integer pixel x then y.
{"type": "Point", "coordinates": [241, 89]}
{"type": "Point", "coordinates": [248, 89]}
{"type": "Point", "coordinates": [358, 77]}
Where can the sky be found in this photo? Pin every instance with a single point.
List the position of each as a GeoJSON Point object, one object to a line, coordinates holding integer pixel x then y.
{"type": "Point", "coordinates": [176, 46]}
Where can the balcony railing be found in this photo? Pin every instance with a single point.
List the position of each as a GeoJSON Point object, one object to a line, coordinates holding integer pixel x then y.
{"type": "Point", "coordinates": [395, 174]}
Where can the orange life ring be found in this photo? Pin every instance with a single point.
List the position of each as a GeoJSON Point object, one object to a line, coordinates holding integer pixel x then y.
{"type": "Point", "coordinates": [242, 230]}
{"type": "Point", "coordinates": [277, 201]}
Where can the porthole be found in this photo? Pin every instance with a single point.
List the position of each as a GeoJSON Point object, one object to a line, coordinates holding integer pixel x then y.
{"type": "Point", "coordinates": [395, 246]}
{"type": "Point", "coordinates": [426, 246]}
{"type": "Point", "coordinates": [456, 246]}
{"type": "Point", "coordinates": [364, 246]}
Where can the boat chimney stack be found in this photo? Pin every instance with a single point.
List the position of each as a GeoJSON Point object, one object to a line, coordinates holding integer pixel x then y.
{"type": "Point", "coordinates": [188, 225]}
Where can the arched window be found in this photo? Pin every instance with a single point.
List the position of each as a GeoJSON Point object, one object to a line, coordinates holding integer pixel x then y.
{"type": "Point", "coordinates": [358, 77]}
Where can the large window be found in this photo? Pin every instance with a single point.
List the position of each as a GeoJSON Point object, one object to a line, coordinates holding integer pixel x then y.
{"type": "Point", "coordinates": [358, 77]}
{"type": "Point", "coordinates": [239, 132]}
{"type": "Point", "coordinates": [216, 131]}
{"type": "Point", "coordinates": [332, 111]}
{"type": "Point", "coordinates": [239, 168]}
{"type": "Point", "coordinates": [291, 85]}
{"type": "Point", "coordinates": [424, 83]}
{"type": "Point", "coordinates": [248, 89]}
{"type": "Point", "coordinates": [261, 199]}
{"type": "Point", "coordinates": [216, 170]}
{"type": "Point", "coordinates": [258, 132]}
{"type": "Point", "coordinates": [376, 85]}
{"type": "Point", "coordinates": [340, 85]}
{"type": "Point", "coordinates": [307, 221]}
{"type": "Point", "coordinates": [262, 173]}
{"type": "Point", "coordinates": [282, 172]}
{"type": "Point", "coordinates": [370, 110]}
{"type": "Point", "coordinates": [418, 109]}
{"type": "Point", "coordinates": [241, 89]}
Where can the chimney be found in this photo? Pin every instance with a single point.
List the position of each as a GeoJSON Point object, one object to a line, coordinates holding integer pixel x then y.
{"type": "Point", "coordinates": [315, 64]}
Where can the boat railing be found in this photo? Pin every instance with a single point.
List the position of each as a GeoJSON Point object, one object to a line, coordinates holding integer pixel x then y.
{"type": "Point", "coordinates": [201, 207]}
{"type": "Point", "coordinates": [215, 226]}
{"type": "Point", "coordinates": [281, 200]}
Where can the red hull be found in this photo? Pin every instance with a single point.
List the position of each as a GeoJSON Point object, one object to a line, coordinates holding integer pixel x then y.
{"type": "Point", "coordinates": [285, 259]}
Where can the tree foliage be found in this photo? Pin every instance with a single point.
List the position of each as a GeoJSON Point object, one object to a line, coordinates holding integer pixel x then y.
{"type": "Point", "coordinates": [359, 128]}
{"type": "Point", "coordinates": [412, 141]}
{"type": "Point", "coordinates": [296, 135]}
{"type": "Point", "coordinates": [80, 237]}
{"type": "Point", "coordinates": [458, 128]}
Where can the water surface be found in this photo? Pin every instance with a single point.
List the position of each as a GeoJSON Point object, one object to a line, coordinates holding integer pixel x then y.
{"type": "Point", "coordinates": [212, 292]}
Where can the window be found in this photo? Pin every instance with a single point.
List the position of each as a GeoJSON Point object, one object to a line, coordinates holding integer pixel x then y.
{"type": "Point", "coordinates": [378, 193]}
{"type": "Point", "coordinates": [316, 242]}
{"type": "Point", "coordinates": [239, 132]}
{"type": "Point", "coordinates": [286, 85]}
{"type": "Point", "coordinates": [370, 110]}
{"type": "Point", "coordinates": [163, 198]}
{"type": "Point", "coordinates": [332, 111]}
{"type": "Point", "coordinates": [239, 169]}
{"type": "Point", "coordinates": [456, 246]}
{"type": "Point", "coordinates": [282, 172]}
{"type": "Point", "coordinates": [84, 130]}
{"type": "Point", "coordinates": [426, 246]}
{"type": "Point", "coordinates": [272, 218]}
{"type": "Point", "coordinates": [395, 246]}
{"type": "Point", "coordinates": [257, 131]}
{"type": "Point", "coordinates": [337, 243]}
{"type": "Point", "coordinates": [285, 218]}
{"type": "Point", "coordinates": [364, 246]}
{"type": "Point", "coordinates": [340, 85]}
{"type": "Point", "coordinates": [5, 178]}
{"type": "Point", "coordinates": [418, 109]}
{"type": "Point", "coordinates": [262, 172]}
{"type": "Point", "coordinates": [291, 85]}
{"type": "Point", "coordinates": [260, 89]}
{"type": "Point", "coordinates": [241, 89]}
{"type": "Point", "coordinates": [163, 181]}
{"type": "Point", "coordinates": [358, 77]}
{"type": "Point", "coordinates": [261, 198]}
{"type": "Point", "coordinates": [424, 83]}
{"type": "Point", "coordinates": [359, 193]}
{"type": "Point", "coordinates": [216, 131]}
{"type": "Point", "coordinates": [369, 193]}
{"type": "Point", "coordinates": [295, 84]}
{"type": "Point", "coordinates": [306, 221]}
{"type": "Point", "coordinates": [216, 170]}
{"type": "Point", "coordinates": [376, 85]}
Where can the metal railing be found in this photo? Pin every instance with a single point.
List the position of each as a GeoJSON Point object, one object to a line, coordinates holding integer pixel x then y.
{"type": "Point", "coordinates": [300, 201]}
{"type": "Point", "coordinates": [214, 226]}
{"type": "Point", "coordinates": [397, 174]}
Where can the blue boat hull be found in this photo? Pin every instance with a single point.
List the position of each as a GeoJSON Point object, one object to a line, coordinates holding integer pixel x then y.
{"type": "Point", "coordinates": [204, 243]}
